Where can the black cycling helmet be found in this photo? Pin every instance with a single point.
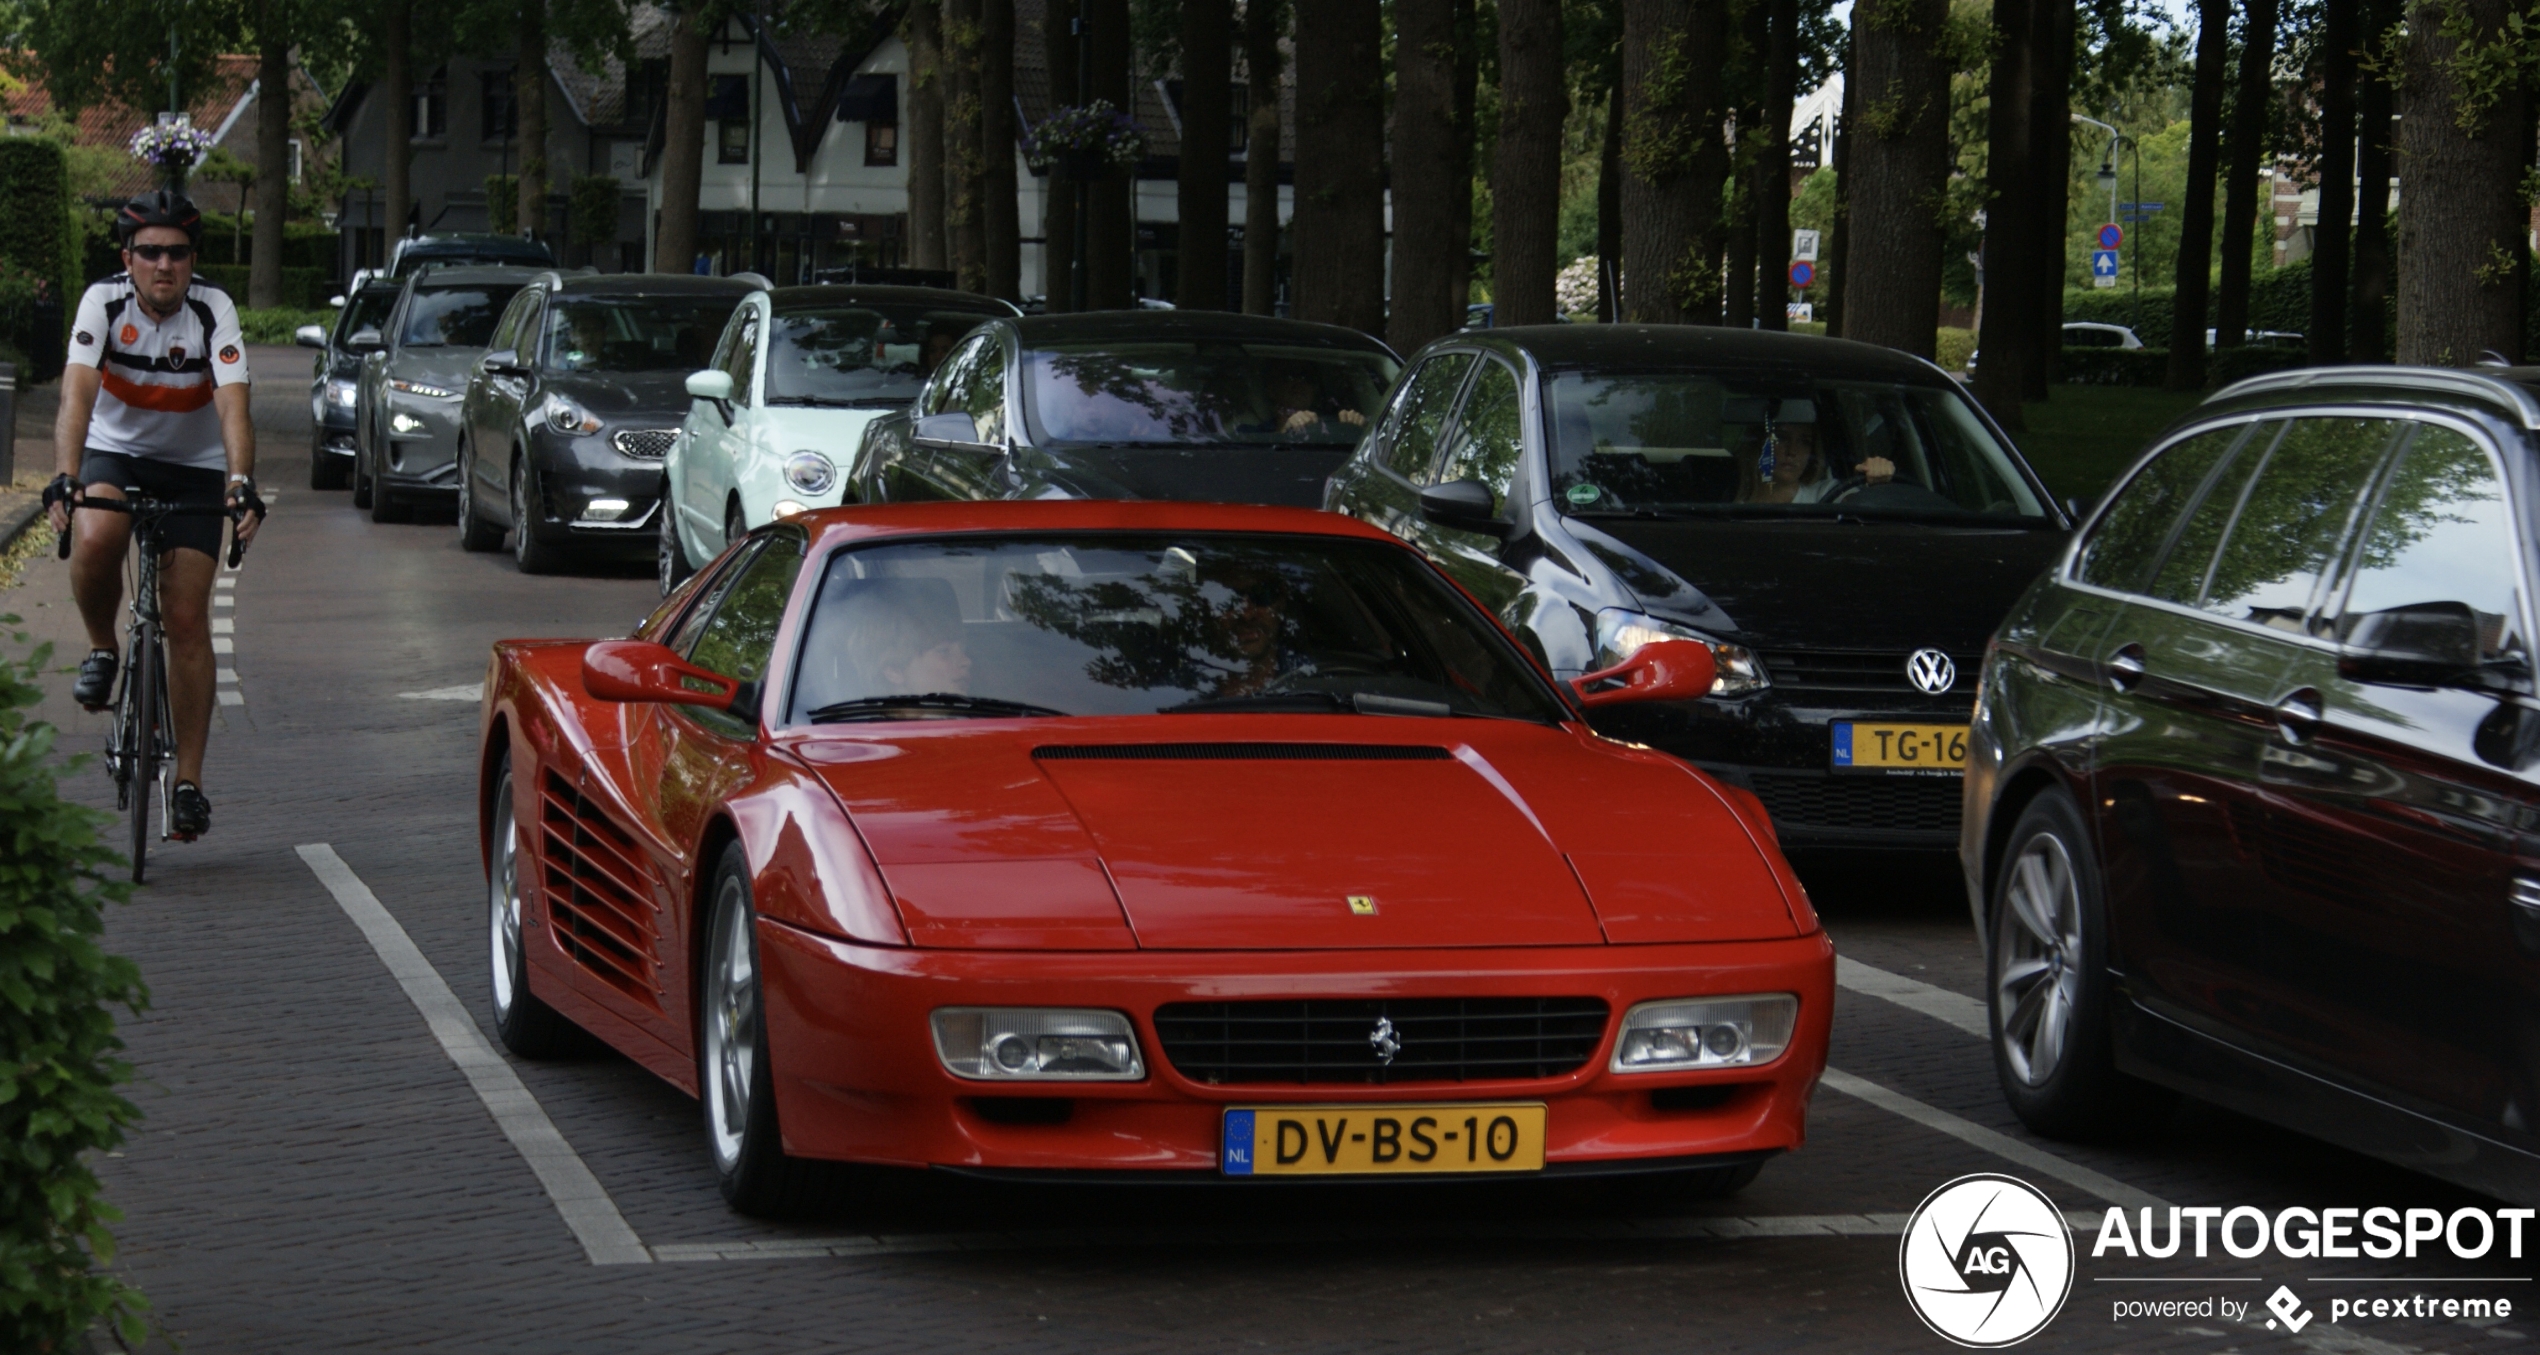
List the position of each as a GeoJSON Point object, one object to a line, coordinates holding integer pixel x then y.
{"type": "Point", "coordinates": [159, 207]}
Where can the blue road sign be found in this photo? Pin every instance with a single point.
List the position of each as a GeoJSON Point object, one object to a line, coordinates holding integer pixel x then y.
{"type": "Point", "coordinates": [1802, 273]}
{"type": "Point", "coordinates": [2140, 208]}
{"type": "Point", "coordinates": [2103, 263]}
{"type": "Point", "coordinates": [2111, 235]}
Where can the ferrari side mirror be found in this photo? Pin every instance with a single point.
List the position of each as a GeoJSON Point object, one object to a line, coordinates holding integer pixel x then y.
{"type": "Point", "coordinates": [639, 670]}
{"type": "Point", "coordinates": [1665, 670]}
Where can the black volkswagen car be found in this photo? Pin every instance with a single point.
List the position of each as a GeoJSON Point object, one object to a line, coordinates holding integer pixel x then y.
{"type": "Point", "coordinates": [1190, 405]}
{"type": "Point", "coordinates": [1839, 523]}
{"type": "Point", "coordinates": [568, 415]}
{"type": "Point", "coordinates": [2253, 790]}
{"type": "Point", "coordinates": [335, 384]}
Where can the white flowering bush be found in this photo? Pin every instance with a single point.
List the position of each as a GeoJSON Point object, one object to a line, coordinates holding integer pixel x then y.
{"type": "Point", "coordinates": [1575, 290]}
{"type": "Point", "coordinates": [1094, 132]}
{"type": "Point", "coordinates": [171, 145]}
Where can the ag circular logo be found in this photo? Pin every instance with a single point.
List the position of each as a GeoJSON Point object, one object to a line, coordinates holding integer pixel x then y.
{"type": "Point", "coordinates": [1987, 1261]}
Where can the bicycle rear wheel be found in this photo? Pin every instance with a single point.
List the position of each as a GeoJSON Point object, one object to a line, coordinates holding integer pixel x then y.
{"type": "Point", "coordinates": [142, 719]}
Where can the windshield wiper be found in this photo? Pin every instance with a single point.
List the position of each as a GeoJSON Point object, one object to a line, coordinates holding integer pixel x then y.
{"type": "Point", "coordinates": [1650, 514]}
{"type": "Point", "coordinates": [881, 707]}
{"type": "Point", "coordinates": [843, 401]}
{"type": "Point", "coordinates": [1359, 703]}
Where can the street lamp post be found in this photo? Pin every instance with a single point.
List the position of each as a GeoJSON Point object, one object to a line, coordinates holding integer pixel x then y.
{"type": "Point", "coordinates": [2107, 176]}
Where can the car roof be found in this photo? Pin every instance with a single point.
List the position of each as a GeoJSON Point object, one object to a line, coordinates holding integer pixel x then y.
{"type": "Point", "coordinates": [473, 273]}
{"type": "Point", "coordinates": [1103, 326]}
{"type": "Point", "coordinates": [1701, 347]}
{"type": "Point", "coordinates": [459, 242]}
{"type": "Point", "coordinates": [784, 299]}
{"type": "Point", "coordinates": [645, 284]}
{"type": "Point", "coordinates": [875, 522]}
{"type": "Point", "coordinates": [2511, 393]}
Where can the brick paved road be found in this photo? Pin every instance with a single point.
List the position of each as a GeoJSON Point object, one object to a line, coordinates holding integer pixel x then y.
{"type": "Point", "coordinates": [315, 1174]}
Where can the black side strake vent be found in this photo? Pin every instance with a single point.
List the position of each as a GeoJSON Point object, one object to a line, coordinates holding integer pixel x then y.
{"type": "Point", "coordinates": [1242, 752]}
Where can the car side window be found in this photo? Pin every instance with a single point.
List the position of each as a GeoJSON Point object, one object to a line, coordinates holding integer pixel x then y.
{"type": "Point", "coordinates": [742, 359]}
{"type": "Point", "coordinates": [2128, 540]}
{"type": "Point", "coordinates": [507, 331]}
{"type": "Point", "coordinates": [951, 376]}
{"type": "Point", "coordinates": [2442, 534]}
{"type": "Point", "coordinates": [981, 394]}
{"type": "Point", "coordinates": [1489, 433]}
{"type": "Point", "coordinates": [2180, 577]}
{"type": "Point", "coordinates": [1411, 435]}
{"type": "Point", "coordinates": [740, 634]}
{"type": "Point", "coordinates": [2292, 516]}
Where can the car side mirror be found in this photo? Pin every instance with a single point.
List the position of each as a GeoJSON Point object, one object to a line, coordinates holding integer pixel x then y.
{"type": "Point", "coordinates": [1466, 505]}
{"type": "Point", "coordinates": [2424, 644]}
{"type": "Point", "coordinates": [367, 339]}
{"type": "Point", "coordinates": [714, 386]}
{"type": "Point", "coordinates": [953, 426]}
{"type": "Point", "coordinates": [309, 336]}
{"type": "Point", "coordinates": [1663, 670]}
{"type": "Point", "coordinates": [640, 670]}
{"type": "Point", "coordinates": [503, 362]}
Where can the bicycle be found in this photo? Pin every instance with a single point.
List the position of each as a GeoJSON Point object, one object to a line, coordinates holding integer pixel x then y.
{"type": "Point", "coordinates": [141, 738]}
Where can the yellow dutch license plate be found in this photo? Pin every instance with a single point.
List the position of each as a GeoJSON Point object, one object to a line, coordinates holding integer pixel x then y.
{"type": "Point", "coordinates": [1863, 746]}
{"type": "Point", "coordinates": [1383, 1140]}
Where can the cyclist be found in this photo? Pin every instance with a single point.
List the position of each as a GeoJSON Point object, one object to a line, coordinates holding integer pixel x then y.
{"type": "Point", "coordinates": [155, 396]}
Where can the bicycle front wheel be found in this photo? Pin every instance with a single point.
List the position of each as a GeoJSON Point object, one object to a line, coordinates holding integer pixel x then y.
{"type": "Point", "coordinates": [143, 719]}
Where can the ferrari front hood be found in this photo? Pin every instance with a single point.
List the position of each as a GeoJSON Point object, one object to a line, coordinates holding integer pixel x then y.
{"type": "Point", "coordinates": [1342, 832]}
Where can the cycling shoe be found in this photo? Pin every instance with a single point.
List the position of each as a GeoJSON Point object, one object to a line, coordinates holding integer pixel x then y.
{"type": "Point", "coordinates": [94, 688]}
{"type": "Point", "coordinates": [189, 814]}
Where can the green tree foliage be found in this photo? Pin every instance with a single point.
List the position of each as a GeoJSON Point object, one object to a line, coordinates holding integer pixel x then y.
{"type": "Point", "coordinates": [594, 219]}
{"type": "Point", "coordinates": [58, 1102]}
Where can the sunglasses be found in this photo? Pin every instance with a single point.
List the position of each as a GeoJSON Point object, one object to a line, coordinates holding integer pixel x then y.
{"type": "Point", "coordinates": [154, 253]}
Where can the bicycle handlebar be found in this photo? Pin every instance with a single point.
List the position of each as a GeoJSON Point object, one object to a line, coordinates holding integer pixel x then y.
{"type": "Point", "coordinates": [164, 508]}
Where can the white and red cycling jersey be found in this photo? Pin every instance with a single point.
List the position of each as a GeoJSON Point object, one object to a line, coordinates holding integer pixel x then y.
{"type": "Point", "coordinates": [154, 399]}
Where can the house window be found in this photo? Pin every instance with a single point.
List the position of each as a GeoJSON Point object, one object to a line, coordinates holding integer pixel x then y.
{"type": "Point", "coordinates": [1238, 118]}
{"type": "Point", "coordinates": [881, 143]}
{"type": "Point", "coordinates": [295, 159]}
{"type": "Point", "coordinates": [732, 143]}
{"type": "Point", "coordinates": [497, 112]}
{"type": "Point", "coordinates": [432, 107]}
{"type": "Point", "coordinates": [728, 105]}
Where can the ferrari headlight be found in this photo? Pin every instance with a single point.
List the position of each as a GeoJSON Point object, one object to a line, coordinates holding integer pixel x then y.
{"type": "Point", "coordinates": [402, 422]}
{"type": "Point", "coordinates": [810, 472]}
{"type": "Point", "coordinates": [564, 416]}
{"type": "Point", "coordinates": [1036, 1044]}
{"type": "Point", "coordinates": [1621, 634]}
{"type": "Point", "coordinates": [419, 388]}
{"type": "Point", "coordinates": [1708, 1032]}
{"type": "Point", "coordinates": [342, 393]}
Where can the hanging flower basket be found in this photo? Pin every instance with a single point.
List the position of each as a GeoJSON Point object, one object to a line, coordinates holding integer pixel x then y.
{"type": "Point", "coordinates": [173, 147]}
{"type": "Point", "coordinates": [1085, 141]}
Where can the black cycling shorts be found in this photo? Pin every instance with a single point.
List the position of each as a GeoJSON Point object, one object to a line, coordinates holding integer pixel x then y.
{"type": "Point", "coordinates": [177, 484]}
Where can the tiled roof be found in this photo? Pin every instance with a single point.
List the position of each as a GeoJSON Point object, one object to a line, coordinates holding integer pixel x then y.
{"type": "Point", "coordinates": [111, 125]}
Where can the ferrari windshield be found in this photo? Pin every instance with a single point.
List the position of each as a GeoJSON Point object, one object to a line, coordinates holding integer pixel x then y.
{"type": "Point", "coordinates": [860, 354]}
{"type": "Point", "coordinates": [633, 333]}
{"type": "Point", "coordinates": [1694, 442]}
{"type": "Point", "coordinates": [1185, 392]}
{"type": "Point", "coordinates": [455, 317]}
{"type": "Point", "coordinates": [977, 626]}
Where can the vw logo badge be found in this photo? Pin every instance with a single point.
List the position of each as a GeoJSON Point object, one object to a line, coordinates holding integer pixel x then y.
{"type": "Point", "coordinates": [1385, 1042]}
{"type": "Point", "coordinates": [1930, 671]}
{"type": "Point", "coordinates": [1986, 1261]}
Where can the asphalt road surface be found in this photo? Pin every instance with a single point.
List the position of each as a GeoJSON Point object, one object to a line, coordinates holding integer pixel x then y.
{"type": "Point", "coordinates": [318, 1168]}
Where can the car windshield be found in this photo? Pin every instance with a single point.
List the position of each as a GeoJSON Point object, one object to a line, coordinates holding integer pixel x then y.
{"type": "Point", "coordinates": [1187, 392]}
{"type": "Point", "coordinates": [1689, 442]}
{"type": "Point", "coordinates": [365, 309]}
{"type": "Point", "coordinates": [860, 354]}
{"type": "Point", "coordinates": [455, 317]}
{"type": "Point", "coordinates": [633, 333]}
{"type": "Point", "coordinates": [1145, 624]}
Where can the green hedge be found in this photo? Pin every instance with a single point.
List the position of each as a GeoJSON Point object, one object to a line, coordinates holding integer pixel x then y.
{"type": "Point", "coordinates": [302, 288]}
{"type": "Point", "coordinates": [275, 325]}
{"type": "Point", "coordinates": [39, 246]}
{"type": "Point", "coordinates": [305, 244]}
{"type": "Point", "coordinates": [58, 1104]}
{"type": "Point", "coordinates": [2114, 366]}
{"type": "Point", "coordinates": [2226, 365]}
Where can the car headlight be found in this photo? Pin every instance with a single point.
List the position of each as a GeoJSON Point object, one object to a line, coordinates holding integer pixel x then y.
{"type": "Point", "coordinates": [419, 388]}
{"type": "Point", "coordinates": [563, 415]}
{"type": "Point", "coordinates": [786, 508]}
{"type": "Point", "coordinates": [402, 422]}
{"type": "Point", "coordinates": [810, 472]}
{"type": "Point", "coordinates": [1620, 634]}
{"type": "Point", "coordinates": [1036, 1044]}
{"type": "Point", "coordinates": [1705, 1032]}
{"type": "Point", "coordinates": [342, 393]}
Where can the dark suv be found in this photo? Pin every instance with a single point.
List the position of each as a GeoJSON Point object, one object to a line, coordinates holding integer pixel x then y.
{"type": "Point", "coordinates": [2253, 788]}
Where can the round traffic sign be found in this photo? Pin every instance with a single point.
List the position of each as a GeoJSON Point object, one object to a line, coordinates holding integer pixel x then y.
{"type": "Point", "coordinates": [1802, 273]}
{"type": "Point", "coordinates": [2111, 235]}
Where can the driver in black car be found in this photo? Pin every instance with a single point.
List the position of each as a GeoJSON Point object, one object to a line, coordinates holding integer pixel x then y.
{"type": "Point", "coordinates": [1782, 464]}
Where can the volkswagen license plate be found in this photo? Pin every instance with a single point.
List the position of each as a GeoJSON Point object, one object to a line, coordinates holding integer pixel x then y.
{"type": "Point", "coordinates": [1863, 746]}
{"type": "Point", "coordinates": [1366, 1140]}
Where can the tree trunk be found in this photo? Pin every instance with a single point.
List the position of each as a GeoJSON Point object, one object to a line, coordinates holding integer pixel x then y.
{"type": "Point", "coordinates": [1526, 170]}
{"type": "Point", "coordinates": [2368, 317]}
{"type": "Point", "coordinates": [1609, 204]}
{"type": "Point", "coordinates": [1754, 23]}
{"type": "Point", "coordinates": [273, 155]}
{"type": "Point", "coordinates": [1672, 160]}
{"type": "Point", "coordinates": [1427, 176]}
{"type": "Point", "coordinates": [2196, 216]}
{"type": "Point", "coordinates": [1839, 237]}
{"type": "Point", "coordinates": [397, 86]}
{"type": "Point", "coordinates": [2014, 227]}
{"type": "Point", "coordinates": [1468, 90]}
{"type": "Point", "coordinates": [1900, 168]}
{"type": "Point", "coordinates": [965, 192]}
{"type": "Point", "coordinates": [1340, 165]}
{"type": "Point", "coordinates": [2051, 151]}
{"type": "Point", "coordinates": [529, 96]}
{"type": "Point", "coordinates": [1111, 250]}
{"type": "Point", "coordinates": [1000, 220]}
{"type": "Point", "coordinates": [1058, 198]}
{"type": "Point", "coordinates": [2241, 163]}
{"type": "Point", "coordinates": [1772, 204]}
{"type": "Point", "coordinates": [1199, 279]}
{"type": "Point", "coordinates": [2461, 215]}
{"type": "Point", "coordinates": [1261, 156]}
{"type": "Point", "coordinates": [683, 147]}
{"type": "Point", "coordinates": [922, 31]}
{"type": "Point", "coordinates": [2330, 239]}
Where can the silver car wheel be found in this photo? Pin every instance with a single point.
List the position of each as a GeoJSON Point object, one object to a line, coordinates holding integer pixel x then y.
{"type": "Point", "coordinates": [731, 1024]}
{"type": "Point", "coordinates": [2037, 940]}
{"type": "Point", "coordinates": [503, 903]}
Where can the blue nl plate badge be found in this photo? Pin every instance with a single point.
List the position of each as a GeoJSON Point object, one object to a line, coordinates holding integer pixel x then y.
{"type": "Point", "coordinates": [1843, 743]}
{"type": "Point", "coordinates": [1238, 1143]}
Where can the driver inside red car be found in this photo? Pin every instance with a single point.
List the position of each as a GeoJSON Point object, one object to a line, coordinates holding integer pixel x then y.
{"type": "Point", "coordinates": [903, 638]}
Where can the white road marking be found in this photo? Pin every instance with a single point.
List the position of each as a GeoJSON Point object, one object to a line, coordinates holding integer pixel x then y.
{"type": "Point", "coordinates": [578, 1195]}
{"type": "Point", "coordinates": [222, 625]}
{"type": "Point", "coordinates": [225, 675]}
{"type": "Point", "coordinates": [474, 691]}
{"type": "Point", "coordinates": [1940, 1004]}
{"type": "Point", "coordinates": [222, 644]}
{"type": "Point", "coordinates": [224, 599]}
{"type": "Point", "coordinates": [1999, 1144]}
{"type": "Point", "coordinates": [232, 699]}
{"type": "Point", "coordinates": [225, 581]}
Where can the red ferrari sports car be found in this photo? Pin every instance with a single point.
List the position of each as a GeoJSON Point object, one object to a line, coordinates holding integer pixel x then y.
{"type": "Point", "coordinates": [1137, 837]}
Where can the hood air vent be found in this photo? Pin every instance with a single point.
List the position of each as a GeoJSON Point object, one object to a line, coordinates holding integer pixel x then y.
{"type": "Point", "coordinates": [1242, 752]}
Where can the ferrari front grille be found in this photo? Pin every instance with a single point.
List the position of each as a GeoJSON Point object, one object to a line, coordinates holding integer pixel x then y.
{"type": "Point", "coordinates": [595, 895]}
{"type": "Point", "coordinates": [652, 444]}
{"type": "Point", "coordinates": [1358, 1041]}
{"type": "Point", "coordinates": [1242, 752]}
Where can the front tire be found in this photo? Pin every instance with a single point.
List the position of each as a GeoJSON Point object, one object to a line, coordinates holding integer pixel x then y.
{"type": "Point", "coordinates": [528, 1026]}
{"type": "Point", "coordinates": [386, 505]}
{"type": "Point", "coordinates": [475, 533]}
{"type": "Point", "coordinates": [530, 554]}
{"type": "Point", "coordinates": [361, 476]}
{"type": "Point", "coordinates": [326, 469]}
{"type": "Point", "coordinates": [735, 1077]}
{"type": "Point", "coordinates": [2048, 986]}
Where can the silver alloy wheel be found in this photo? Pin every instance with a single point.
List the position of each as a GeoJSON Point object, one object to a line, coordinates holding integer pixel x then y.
{"type": "Point", "coordinates": [2037, 949]}
{"type": "Point", "coordinates": [503, 902]}
{"type": "Point", "coordinates": [731, 1024]}
{"type": "Point", "coordinates": [666, 560]}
